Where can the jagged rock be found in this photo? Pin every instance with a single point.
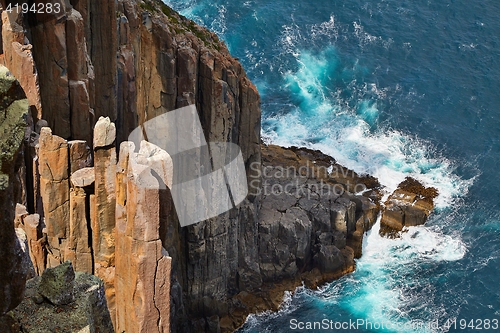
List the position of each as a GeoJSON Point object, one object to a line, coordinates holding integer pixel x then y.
{"type": "Point", "coordinates": [83, 177]}
{"type": "Point", "coordinates": [104, 133]}
{"type": "Point", "coordinates": [12, 128]}
{"type": "Point", "coordinates": [50, 53]}
{"type": "Point", "coordinates": [132, 61]}
{"type": "Point", "coordinates": [21, 213]}
{"type": "Point", "coordinates": [103, 206]}
{"type": "Point", "coordinates": [87, 313]}
{"type": "Point", "coordinates": [80, 155]}
{"type": "Point", "coordinates": [58, 283]}
{"type": "Point", "coordinates": [409, 205]}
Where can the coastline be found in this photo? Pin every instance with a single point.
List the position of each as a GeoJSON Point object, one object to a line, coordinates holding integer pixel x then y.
{"type": "Point", "coordinates": [303, 222]}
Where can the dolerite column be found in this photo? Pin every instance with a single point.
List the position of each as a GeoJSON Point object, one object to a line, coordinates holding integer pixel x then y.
{"type": "Point", "coordinates": [103, 206]}
{"type": "Point", "coordinates": [78, 248]}
{"type": "Point", "coordinates": [54, 189]}
{"type": "Point", "coordinates": [142, 264]}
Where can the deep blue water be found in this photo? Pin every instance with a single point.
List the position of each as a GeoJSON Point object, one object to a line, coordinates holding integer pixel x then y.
{"type": "Point", "coordinates": [393, 88]}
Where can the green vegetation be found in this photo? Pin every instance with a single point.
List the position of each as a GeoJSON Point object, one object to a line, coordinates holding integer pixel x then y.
{"type": "Point", "coordinates": [146, 5]}
{"type": "Point", "coordinates": [181, 24]}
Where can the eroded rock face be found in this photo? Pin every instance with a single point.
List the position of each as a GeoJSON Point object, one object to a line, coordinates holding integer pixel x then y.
{"type": "Point", "coordinates": [308, 216]}
{"type": "Point", "coordinates": [310, 225]}
{"type": "Point", "coordinates": [409, 205]}
{"type": "Point", "coordinates": [13, 112]}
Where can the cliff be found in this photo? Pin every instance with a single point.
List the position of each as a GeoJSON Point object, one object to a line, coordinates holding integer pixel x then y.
{"type": "Point", "coordinates": [94, 72]}
{"type": "Point", "coordinates": [128, 61]}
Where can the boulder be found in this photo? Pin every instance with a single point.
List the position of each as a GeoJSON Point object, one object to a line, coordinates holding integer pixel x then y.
{"type": "Point", "coordinates": [57, 284]}
{"type": "Point", "coordinates": [83, 177]}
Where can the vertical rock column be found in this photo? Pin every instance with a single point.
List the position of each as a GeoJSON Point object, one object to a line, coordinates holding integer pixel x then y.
{"type": "Point", "coordinates": [54, 188]}
{"type": "Point", "coordinates": [103, 206]}
{"type": "Point", "coordinates": [143, 279]}
{"type": "Point", "coordinates": [78, 249]}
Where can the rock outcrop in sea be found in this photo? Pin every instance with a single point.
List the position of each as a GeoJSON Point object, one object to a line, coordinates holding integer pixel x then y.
{"type": "Point", "coordinates": [79, 195]}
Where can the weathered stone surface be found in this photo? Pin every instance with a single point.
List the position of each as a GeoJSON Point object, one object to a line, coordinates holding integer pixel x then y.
{"type": "Point", "coordinates": [78, 248]}
{"type": "Point", "coordinates": [83, 177]}
{"type": "Point", "coordinates": [50, 53]}
{"type": "Point", "coordinates": [54, 190]}
{"type": "Point", "coordinates": [87, 313]}
{"type": "Point", "coordinates": [57, 284]}
{"type": "Point", "coordinates": [409, 205]}
{"type": "Point", "coordinates": [80, 155]}
{"type": "Point", "coordinates": [21, 213]}
{"type": "Point", "coordinates": [310, 226]}
{"type": "Point", "coordinates": [81, 115]}
{"type": "Point", "coordinates": [12, 129]}
{"type": "Point", "coordinates": [104, 133]}
{"type": "Point", "coordinates": [26, 265]}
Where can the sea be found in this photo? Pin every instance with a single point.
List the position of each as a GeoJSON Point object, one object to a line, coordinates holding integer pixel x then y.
{"type": "Point", "coordinates": [394, 89]}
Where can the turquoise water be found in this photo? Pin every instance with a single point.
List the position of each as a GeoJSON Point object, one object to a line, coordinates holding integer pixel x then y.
{"type": "Point", "coordinates": [391, 88]}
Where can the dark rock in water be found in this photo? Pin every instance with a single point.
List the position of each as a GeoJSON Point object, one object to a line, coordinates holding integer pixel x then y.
{"type": "Point", "coordinates": [409, 205]}
{"type": "Point", "coordinates": [58, 283]}
{"type": "Point", "coordinates": [88, 312]}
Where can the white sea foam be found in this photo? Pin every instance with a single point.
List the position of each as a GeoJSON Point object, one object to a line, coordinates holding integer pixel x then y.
{"type": "Point", "coordinates": [323, 119]}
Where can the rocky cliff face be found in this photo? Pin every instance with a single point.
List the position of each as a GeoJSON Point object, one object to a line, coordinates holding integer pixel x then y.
{"type": "Point", "coordinates": [13, 114]}
{"type": "Point", "coordinates": [95, 71]}
{"type": "Point", "coordinates": [129, 61]}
